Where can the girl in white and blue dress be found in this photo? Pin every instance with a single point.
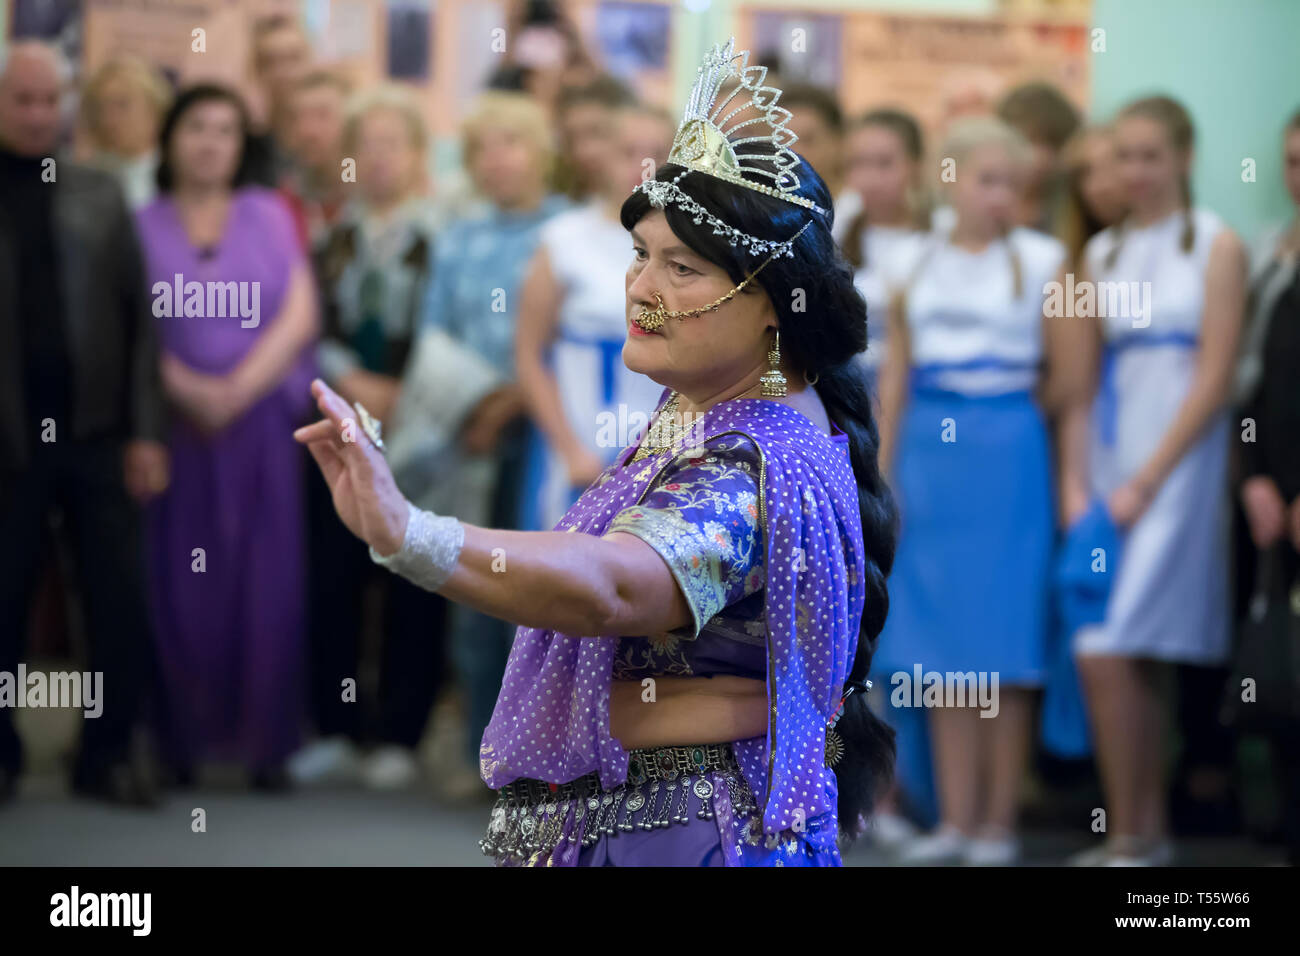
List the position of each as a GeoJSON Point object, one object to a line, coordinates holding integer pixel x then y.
{"type": "Point", "coordinates": [883, 240]}
{"type": "Point", "coordinates": [1158, 459]}
{"type": "Point", "coordinates": [573, 323]}
{"type": "Point", "coordinates": [971, 352]}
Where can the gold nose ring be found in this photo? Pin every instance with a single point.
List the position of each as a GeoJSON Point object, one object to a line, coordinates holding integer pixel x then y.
{"type": "Point", "coordinates": [651, 320]}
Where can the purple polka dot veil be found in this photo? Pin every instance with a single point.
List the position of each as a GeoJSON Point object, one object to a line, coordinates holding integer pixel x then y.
{"type": "Point", "coordinates": [551, 720]}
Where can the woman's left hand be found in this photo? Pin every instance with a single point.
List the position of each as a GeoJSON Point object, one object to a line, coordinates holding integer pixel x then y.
{"type": "Point", "coordinates": [365, 495]}
{"type": "Point", "coordinates": [1128, 502]}
{"type": "Point", "coordinates": [208, 401]}
{"type": "Point", "coordinates": [1074, 502]}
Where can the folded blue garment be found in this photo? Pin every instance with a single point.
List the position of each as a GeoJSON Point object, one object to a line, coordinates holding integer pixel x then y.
{"type": "Point", "coordinates": [1085, 568]}
{"type": "Point", "coordinates": [1086, 564]}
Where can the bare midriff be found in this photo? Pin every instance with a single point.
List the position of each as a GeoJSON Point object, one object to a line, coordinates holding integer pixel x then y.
{"type": "Point", "coordinates": [687, 710]}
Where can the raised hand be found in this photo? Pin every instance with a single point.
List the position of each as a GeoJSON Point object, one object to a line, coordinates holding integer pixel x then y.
{"type": "Point", "coordinates": [360, 482]}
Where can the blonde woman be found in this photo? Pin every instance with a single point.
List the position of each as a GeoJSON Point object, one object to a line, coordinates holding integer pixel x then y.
{"type": "Point", "coordinates": [122, 110]}
{"type": "Point", "coordinates": [884, 149]}
{"type": "Point", "coordinates": [971, 352]}
{"type": "Point", "coordinates": [373, 270]}
{"type": "Point", "coordinates": [468, 342]}
{"type": "Point", "coordinates": [572, 325]}
{"type": "Point", "coordinates": [1158, 458]}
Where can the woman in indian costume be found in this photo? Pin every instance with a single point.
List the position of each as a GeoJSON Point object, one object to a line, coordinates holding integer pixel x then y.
{"type": "Point", "coordinates": [688, 682]}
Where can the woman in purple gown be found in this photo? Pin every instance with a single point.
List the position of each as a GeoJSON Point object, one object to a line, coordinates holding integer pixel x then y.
{"type": "Point", "coordinates": [687, 684]}
{"type": "Point", "coordinates": [234, 304]}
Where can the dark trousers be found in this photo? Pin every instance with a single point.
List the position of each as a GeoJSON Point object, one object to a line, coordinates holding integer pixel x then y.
{"type": "Point", "coordinates": [84, 480]}
{"type": "Point", "coordinates": [412, 628]}
{"type": "Point", "coordinates": [1286, 770]}
{"type": "Point", "coordinates": [1285, 747]}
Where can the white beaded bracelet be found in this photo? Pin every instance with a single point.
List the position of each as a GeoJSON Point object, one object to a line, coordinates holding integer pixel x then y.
{"type": "Point", "coordinates": [430, 549]}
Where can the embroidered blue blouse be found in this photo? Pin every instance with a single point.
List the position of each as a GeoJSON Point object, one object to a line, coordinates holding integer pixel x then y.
{"type": "Point", "coordinates": [702, 518]}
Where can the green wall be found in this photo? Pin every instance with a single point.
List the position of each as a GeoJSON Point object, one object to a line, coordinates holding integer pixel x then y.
{"type": "Point", "coordinates": [1235, 65]}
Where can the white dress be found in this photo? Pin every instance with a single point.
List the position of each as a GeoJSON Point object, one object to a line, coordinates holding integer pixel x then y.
{"type": "Point", "coordinates": [969, 332]}
{"type": "Point", "coordinates": [1170, 597]}
{"type": "Point", "coordinates": [847, 205]}
{"type": "Point", "coordinates": [890, 256]}
{"type": "Point", "coordinates": [603, 401]}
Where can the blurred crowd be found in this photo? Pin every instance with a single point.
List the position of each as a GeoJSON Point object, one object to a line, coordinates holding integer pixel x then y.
{"type": "Point", "coordinates": [167, 301]}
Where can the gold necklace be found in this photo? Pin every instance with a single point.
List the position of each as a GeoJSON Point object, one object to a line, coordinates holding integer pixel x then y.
{"type": "Point", "coordinates": [668, 429]}
{"type": "Point", "coordinates": [665, 432]}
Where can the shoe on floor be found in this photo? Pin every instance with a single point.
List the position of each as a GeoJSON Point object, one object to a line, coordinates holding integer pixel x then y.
{"type": "Point", "coordinates": [1126, 851]}
{"type": "Point", "coordinates": [1093, 856]}
{"type": "Point", "coordinates": [891, 831]}
{"type": "Point", "coordinates": [329, 760]}
{"type": "Point", "coordinates": [992, 851]}
{"type": "Point", "coordinates": [179, 777]}
{"type": "Point", "coordinates": [945, 845]}
{"type": "Point", "coordinates": [125, 783]}
{"type": "Point", "coordinates": [1145, 853]}
{"type": "Point", "coordinates": [462, 786]}
{"type": "Point", "coordinates": [271, 780]}
{"type": "Point", "coordinates": [390, 768]}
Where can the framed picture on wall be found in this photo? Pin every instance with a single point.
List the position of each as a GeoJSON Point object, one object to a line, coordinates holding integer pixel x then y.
{"type": "Point", "coordinates": [633, 37]}
{"type": "Point", "coordinates": [44, 19]}
{"type": "Point", "coordinates": [58, 21]}
{"type": "Point", "coordinates": [799, 46]}
{"type": "Point", "coordinates": [409, 39]}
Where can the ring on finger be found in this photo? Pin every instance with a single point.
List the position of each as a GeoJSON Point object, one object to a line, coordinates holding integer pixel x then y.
{"type": "Point", "coordinates": [372, 426]}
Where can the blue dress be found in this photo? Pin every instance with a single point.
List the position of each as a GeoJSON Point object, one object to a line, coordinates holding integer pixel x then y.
{"type": "Point", "coordinates": [971, 581]}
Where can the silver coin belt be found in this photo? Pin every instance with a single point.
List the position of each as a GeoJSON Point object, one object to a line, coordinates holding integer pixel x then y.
{"type": "Point", "coordinates": [663, 786]}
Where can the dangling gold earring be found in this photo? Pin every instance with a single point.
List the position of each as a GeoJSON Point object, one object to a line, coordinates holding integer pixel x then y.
{"type": "Point", "coordinates": [773, 381]}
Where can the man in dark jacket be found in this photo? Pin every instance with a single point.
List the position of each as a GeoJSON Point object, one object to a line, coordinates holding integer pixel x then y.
{"type": "Point", "coordinates": [80, 416]}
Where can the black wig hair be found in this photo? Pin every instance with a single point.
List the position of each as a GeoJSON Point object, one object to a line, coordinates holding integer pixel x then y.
{"type": "Point", "coordinates": [823, 325]}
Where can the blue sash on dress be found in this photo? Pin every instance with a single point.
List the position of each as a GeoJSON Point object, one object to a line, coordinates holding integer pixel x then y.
{"type": "Point", "coordinates": [926, 377]}
{"type": "Point", "coordinates": [611, 358]}
{"type": "Point", "coordinates": [1107, 403]}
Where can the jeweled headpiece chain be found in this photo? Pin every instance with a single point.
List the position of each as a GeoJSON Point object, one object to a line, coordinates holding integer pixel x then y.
{"type": "Point", "coordinates": [705, 144]}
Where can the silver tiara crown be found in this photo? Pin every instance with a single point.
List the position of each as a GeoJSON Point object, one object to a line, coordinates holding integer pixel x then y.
{"type": "Point", "coordinates": [705, 143]}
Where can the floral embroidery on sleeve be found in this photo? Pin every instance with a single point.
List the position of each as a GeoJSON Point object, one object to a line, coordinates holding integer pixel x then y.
{"type": "Point", "coordinates": [702, 519]}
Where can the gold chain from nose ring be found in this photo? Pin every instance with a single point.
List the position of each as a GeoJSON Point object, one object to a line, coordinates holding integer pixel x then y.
{"type": "Point", "coordinates": [653, 319]}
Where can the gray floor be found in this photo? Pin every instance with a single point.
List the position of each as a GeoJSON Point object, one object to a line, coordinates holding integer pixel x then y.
{"type": "Point", "coordinates": [341, 827]}
{"type": "Point", "coordinates": [46, 826]}
{"type": "Point", "coordinates": [322, 828]}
